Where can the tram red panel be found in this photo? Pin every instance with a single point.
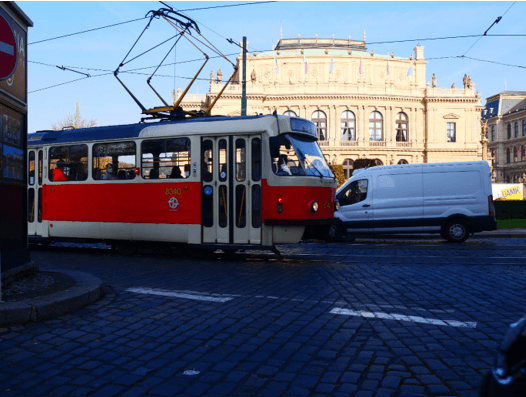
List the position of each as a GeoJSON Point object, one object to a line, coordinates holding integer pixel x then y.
{"type": "Point", "coordinates": [297, 201]}
{"type": "Point", "coordinates": [168, 202]}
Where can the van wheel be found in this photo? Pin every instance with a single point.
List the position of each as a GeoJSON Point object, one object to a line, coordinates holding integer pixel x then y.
{"type": "Point", "coordinates": [335, 232]}
{"type": "Point", "coordinates": [456, 231]}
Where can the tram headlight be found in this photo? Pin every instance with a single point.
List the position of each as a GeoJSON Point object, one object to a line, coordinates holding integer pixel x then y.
{"type": "Point", "coordinates": [314, 207]}
{"type": "Point", "coordinates": [336, 205]}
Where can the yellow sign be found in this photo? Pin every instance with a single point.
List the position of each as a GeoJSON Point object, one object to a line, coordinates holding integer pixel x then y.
{"type": "Point", "coordinates": [511, 193]}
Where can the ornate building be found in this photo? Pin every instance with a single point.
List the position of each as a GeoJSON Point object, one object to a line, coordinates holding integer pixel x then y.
{"type": "Point", "coordinates": [505, 118]}
{"type": "Point", "coordinates": [365, 105]}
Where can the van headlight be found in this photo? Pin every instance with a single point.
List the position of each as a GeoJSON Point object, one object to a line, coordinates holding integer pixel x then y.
{"type": "Point", "coordinates": [314, 207]}
{"type": "Point", "coordinates": [336, 205]}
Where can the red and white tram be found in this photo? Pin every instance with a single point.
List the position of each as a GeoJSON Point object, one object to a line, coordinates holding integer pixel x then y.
{"type": "Point", "coordinates": [212, 182]}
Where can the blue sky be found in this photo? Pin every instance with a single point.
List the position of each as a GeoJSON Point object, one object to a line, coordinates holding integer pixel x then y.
{"type": "Point", "coordinates": [104, 99]}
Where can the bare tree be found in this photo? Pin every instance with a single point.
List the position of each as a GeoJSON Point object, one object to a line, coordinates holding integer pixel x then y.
{"type": "Point", "coordinates": [74, 121]}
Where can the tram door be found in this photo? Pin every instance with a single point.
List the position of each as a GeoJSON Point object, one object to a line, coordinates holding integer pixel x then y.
{"type": "Point", "coordinates": [34, 193]}
{"type": "Point", "coordinates": [231, 190]}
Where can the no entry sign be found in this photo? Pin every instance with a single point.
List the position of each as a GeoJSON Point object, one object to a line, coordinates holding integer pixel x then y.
{"type": "Point", "coordinates": [8, 51]}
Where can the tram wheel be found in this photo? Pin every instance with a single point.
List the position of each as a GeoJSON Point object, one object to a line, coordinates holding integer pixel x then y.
{"type": "Point", "coordinates": [126, 248]}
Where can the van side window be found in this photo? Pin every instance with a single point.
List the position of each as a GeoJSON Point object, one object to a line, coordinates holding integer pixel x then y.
{"type": "Point", "coordinates": [356, 192]}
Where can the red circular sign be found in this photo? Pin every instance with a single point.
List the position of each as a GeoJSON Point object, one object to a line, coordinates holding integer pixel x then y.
{"type": "Point", "coordinates": [8, 52]}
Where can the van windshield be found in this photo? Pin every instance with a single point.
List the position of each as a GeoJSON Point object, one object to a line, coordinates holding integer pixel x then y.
{"type": "Point", "coordinates": [300, 156]}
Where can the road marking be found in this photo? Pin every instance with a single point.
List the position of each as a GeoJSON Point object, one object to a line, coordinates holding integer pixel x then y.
{"type": "Point", "coordinates": [198, 296]}
{"type": "Point", "coordinates": [402, 317]}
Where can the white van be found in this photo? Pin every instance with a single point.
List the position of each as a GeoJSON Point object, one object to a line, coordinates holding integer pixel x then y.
{"type": "Point", "coordinates": [453, 199]}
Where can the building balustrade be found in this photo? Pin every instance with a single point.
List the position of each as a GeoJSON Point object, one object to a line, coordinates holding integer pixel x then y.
{"type": "Point", "coordinates": [349, 143]}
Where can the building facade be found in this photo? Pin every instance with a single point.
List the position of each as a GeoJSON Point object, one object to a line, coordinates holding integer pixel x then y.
{"type": "Point", "coordinates": [505, 119]}
{"type": "Point", "coordinates": [365, 105]}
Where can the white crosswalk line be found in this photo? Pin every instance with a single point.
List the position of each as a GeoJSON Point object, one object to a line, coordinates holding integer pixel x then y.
{"type": "Point", "coordinates": [183, 294]}
{"type": "Point", "coordinates": [402, 317]}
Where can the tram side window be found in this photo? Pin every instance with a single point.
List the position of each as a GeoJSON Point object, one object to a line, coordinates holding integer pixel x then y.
{"type": "Point", "coordinates": [114, 161]}
{"type": "Point", "coordinates": [166, 158]}
{"type": "Point", "coordinates": [31, 168]}
{"type": "Point", "coordinates": [68, 163]}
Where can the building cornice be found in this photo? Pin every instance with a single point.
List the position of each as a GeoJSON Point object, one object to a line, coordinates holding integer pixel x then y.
{"type": "Point", "coordinates": [296, 97]}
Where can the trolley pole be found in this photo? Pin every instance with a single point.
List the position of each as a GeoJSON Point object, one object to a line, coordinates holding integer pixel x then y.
{"type": "Point", "coordinates": [244, 81]}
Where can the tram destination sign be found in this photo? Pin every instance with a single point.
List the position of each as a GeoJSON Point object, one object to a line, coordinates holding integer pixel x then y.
{"type": "Point", "coordinates": [8, 50]}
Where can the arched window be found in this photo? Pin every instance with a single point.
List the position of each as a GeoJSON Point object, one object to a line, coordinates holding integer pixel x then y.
{"type": "Point", "coordinates": [403, 162]}
{"type": "Point", "coordinates": [348, 126]}
{"type": "Point", "coordinates": [401, 127]}
{"type": "Point", "coordinates": [378, 162]}
{"type": "Point", "coordinates": [492, 133]}
{"type": "Point", "coordinates": [320, 120]}
{"type": "Point", "coordinates": [290, 113]}
{"type": "Point", "coordinates": [515, 155]}
{"type": "Point", "coordinates": [507, 179]}
{"type": "Point", "coordinates": [524, 127]}
{"type": "Point", "coordinates": [348, 165]}
{"type": "Point", "coordinates": [508, 155]}
{"type": "Point", "coordinates": [376, 126]}
{"type": "Point", "coordinates": [516, 130]}
{"type": "Point", "coordinates": [523, 153]}
{"type": "Point", "coordinates": [509, 131]}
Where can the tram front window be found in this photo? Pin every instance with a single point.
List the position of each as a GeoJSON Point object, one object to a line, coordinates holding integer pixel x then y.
{"type": "Point", "coordinates": [300, 156]}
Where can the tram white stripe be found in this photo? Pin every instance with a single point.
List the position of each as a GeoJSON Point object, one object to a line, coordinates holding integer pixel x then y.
{"type": "Point", "coordinates": [183, 295]}
{"type": "Point", "coordinates": [402, 317]}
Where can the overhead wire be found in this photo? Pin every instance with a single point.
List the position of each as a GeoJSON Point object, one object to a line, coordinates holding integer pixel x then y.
{"type": "Point", "coordinates": [86, 31]}
{"type": "Point", "coordinates": [134, 71]}
{"type": "Point", "coordinates": [485, 33]}
{"type": "Point", "coordinates": [228, 5]}
{"type": "Point", "coordinates": [140, 19]}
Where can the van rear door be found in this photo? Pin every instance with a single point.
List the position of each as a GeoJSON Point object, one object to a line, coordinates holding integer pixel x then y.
{"type": "Point", "coordinates": [452, 190]}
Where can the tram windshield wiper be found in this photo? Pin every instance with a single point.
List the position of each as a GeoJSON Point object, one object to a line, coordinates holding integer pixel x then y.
{"type": "Point", "coordinates": [311, 164]}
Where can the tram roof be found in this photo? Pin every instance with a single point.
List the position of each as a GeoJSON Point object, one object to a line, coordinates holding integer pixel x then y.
{"type": "Point", "coordinates": [121, 131]}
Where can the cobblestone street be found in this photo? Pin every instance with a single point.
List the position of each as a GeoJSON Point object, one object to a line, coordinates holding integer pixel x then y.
{"type": "Point", "coordinates": [375, 318]}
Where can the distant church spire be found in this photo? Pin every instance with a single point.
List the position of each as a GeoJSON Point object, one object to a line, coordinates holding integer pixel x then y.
{"type": "Point", "coordinates": [364, 35]}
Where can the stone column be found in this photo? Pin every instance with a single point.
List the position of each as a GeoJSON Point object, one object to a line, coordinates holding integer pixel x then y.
{"type": "Point", "coordinates": [390, 127]}
{"type": "Point", "coordinates": [331, 128]}
{"type": "Point", "coordinates": [414, 138]}
{"type": "Point", "coordinates": [360, 126]}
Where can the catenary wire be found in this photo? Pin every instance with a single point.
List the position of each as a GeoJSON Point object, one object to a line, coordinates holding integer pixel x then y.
{"type": "Point", "coordinates": [140, 19]}
{"type": "Point", "coordinates": [485, 33]}
{"type": "Point", "coordinates": [229, 5]}
{"type": "Point", "coordinates": [86, 31]}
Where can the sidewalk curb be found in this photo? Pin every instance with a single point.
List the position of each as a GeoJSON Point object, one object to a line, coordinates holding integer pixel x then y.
{"type": "Point", "coordinates": [88, 290]}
